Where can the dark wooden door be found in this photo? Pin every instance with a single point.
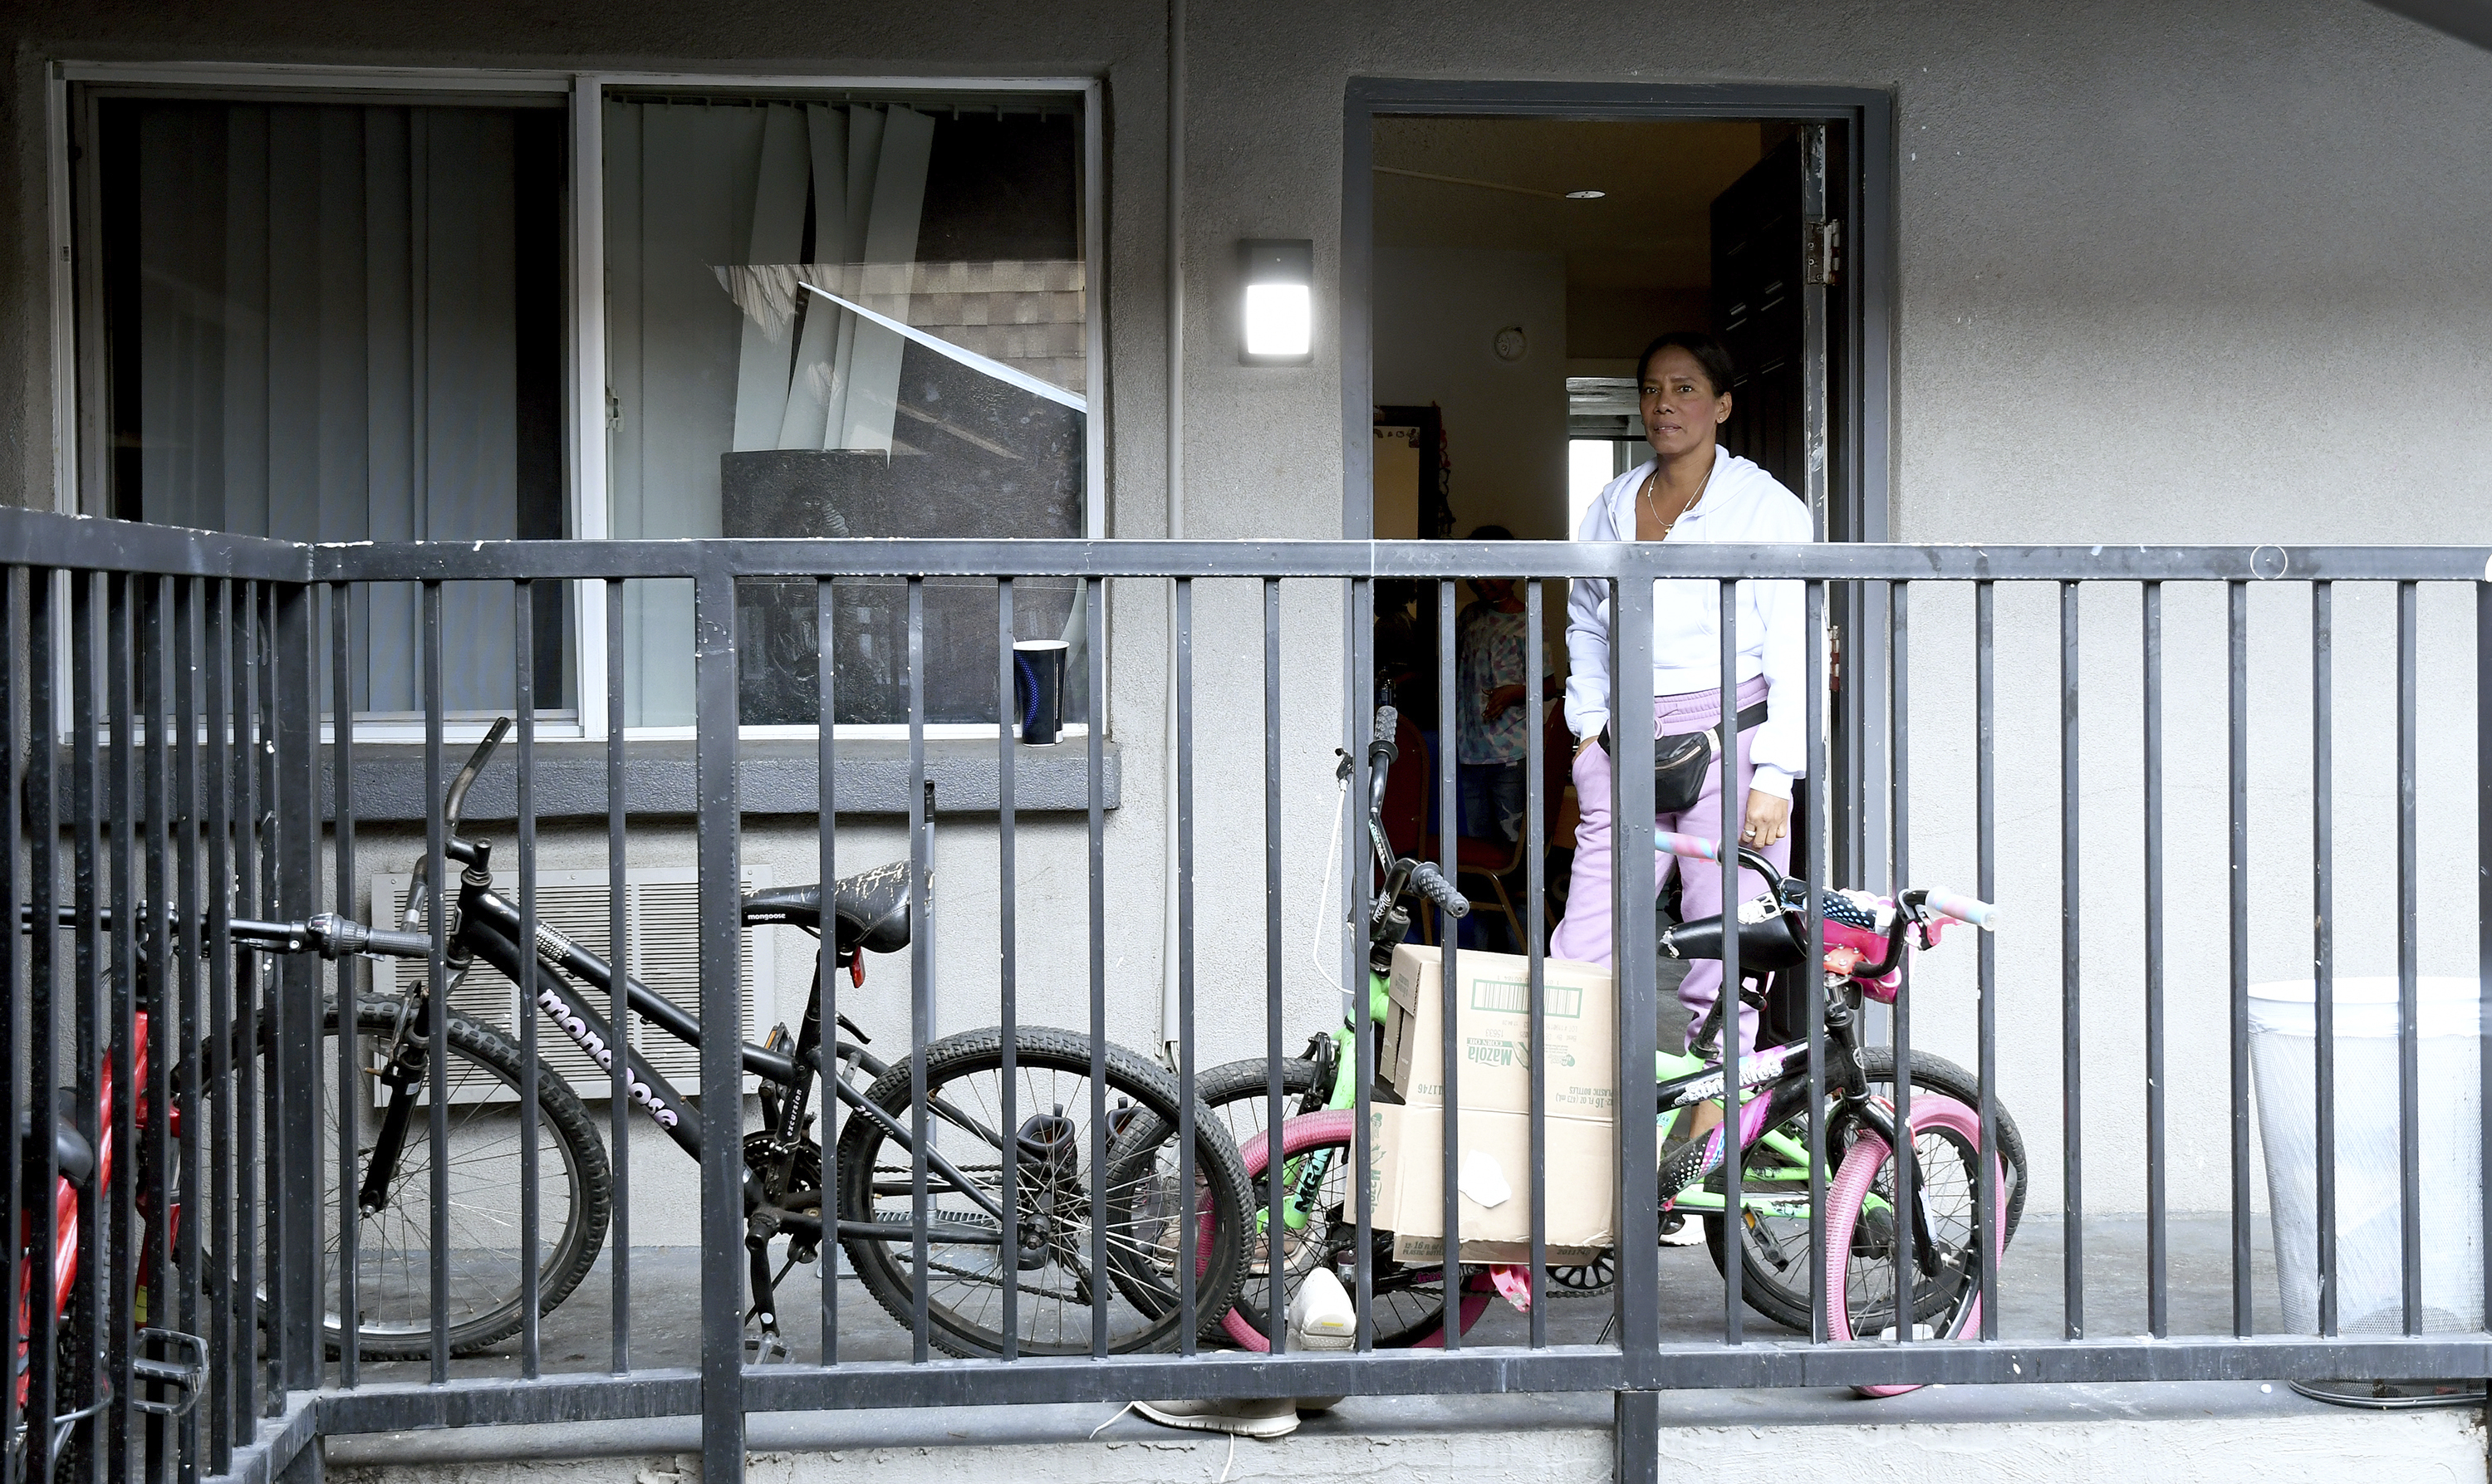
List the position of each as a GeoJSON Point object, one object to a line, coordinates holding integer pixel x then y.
{"type": "Point", "coordinates": [1775, 250]}
{"type": "Point", "coordinates": [1759, 314]}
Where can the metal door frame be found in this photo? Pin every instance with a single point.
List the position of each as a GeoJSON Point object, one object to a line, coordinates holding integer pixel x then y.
{"type": "Point", "coordinates": [1860, 371]}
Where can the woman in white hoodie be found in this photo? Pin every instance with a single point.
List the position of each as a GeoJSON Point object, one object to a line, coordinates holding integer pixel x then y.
{"type": "Point", "coordinates": [1691, 489]}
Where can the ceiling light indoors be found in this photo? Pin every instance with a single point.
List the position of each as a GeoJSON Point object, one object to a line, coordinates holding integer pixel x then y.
{"type": "Point", "coordinates": [1279, 306]}
{"type": "Point", "coordinates": [1585, 195]}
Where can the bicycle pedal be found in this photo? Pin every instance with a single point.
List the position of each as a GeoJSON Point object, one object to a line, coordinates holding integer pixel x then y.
{"type": "Point", "coordinates": [185, 1377]}
{"type": "Point", "coordinates": [766, 1348]}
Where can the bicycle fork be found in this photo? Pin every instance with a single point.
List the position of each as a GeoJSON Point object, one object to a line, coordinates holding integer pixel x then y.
{"type": "Point", "coordinates": [1881, 1119]}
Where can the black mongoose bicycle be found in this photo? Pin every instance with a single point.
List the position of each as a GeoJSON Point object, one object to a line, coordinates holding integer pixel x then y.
{"type": "Point", "coordinates": [1014, 1182]}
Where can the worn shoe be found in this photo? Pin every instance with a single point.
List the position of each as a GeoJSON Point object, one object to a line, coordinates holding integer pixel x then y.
{"type": "Point", "coordinates": [1255, 1417]}
{"type": "Point", "coordinates": [1322, 1318]}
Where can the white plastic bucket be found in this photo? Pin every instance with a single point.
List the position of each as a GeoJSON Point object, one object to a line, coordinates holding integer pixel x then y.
{"type": "Point", "coordinates": [2370, 1217]}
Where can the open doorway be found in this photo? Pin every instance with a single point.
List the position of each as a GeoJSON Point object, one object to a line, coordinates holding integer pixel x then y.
{"type": "Point", "coordinates": [1516, 246]}
{"type": "Point", "coordinates": [1519, 265]}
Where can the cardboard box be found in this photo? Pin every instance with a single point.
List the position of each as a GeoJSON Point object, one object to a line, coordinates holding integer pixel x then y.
{"type": "Point", "coordinates": [1408, 1183]}
{"type": "Point", "coordinates": [1429, 1251]}
{"type": "Point", "coordinates": [1492, 1022]}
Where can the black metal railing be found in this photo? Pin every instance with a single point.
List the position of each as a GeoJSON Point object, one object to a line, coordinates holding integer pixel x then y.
{"type": "Point", "coordinates": [173, 797]}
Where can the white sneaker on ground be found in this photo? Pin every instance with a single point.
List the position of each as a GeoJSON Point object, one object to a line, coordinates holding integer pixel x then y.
{"type": "Point", "coordinates": [1322, 1318]}
{"type": "Point", "coordinates": [1255, 1417]}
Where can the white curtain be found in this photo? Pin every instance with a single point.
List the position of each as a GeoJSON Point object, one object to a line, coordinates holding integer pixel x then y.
{"type": "Point", "coordinates": [327, 351]}
{"type": "Point", "coordinates": [711, 346]}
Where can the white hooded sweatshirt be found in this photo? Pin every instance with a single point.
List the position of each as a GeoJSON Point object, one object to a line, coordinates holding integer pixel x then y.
{"type": "Point", "coordinates": [1742, 503]}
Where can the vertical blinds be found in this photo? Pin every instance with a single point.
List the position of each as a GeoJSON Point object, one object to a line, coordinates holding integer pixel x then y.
{"type": "Point", "coordinates": [332, 345]}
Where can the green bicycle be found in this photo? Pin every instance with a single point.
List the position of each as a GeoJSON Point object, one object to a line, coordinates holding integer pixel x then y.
{"type": "Point", "coordinates": [1319, 1088]}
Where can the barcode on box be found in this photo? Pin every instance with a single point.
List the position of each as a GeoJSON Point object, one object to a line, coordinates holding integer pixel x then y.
{"type": "Point", "coordinates": [1513, 997]}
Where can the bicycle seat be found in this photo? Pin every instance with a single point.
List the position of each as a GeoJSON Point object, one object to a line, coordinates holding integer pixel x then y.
{"type": "Point", "coordinates": [69, 1149]}
{"type": "Point", "coordinates": [871, 908]}
{"type": "Point", "coordinates": [1765, 948]}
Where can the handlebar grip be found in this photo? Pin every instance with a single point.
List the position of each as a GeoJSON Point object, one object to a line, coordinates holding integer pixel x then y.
{"type": "Point", "coordinates": [273, 937]}
{"type": "Point", "coordinates": [399, 945]}
{"type": "Point", "coordinates": [1381, 754]}
{"type": "Point", "coordinates": [1432, 885]}
{"type": "Point", "coordinates": [1693, 847]}
{"type": "Point", "coordinates": [1967, 909]}
{"type": "Point", "coordinates": [340, 938]}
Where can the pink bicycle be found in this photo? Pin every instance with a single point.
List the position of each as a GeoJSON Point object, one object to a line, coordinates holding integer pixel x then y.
{"type": "Point", "coordinates": [1864, 941]}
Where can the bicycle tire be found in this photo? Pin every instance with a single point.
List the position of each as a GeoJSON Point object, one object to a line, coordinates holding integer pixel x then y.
{"type": "Point", "coordinates": [1238, 1094]}
{"type": "Point", "coordinates": [1418, 1326]}
{"type": "Point", "coordinates": [575, 1196]}
{"type": "Point", "coordinates": [1132, 1083]}
{"type": "Point", "coordinates": [1773, 1256]}
{"type": "Point", "coordinates": [1947, 1143]}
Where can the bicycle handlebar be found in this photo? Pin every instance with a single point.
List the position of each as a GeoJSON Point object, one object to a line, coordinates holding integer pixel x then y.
{"type": "Point", "coordinates": [1970, 910]}
{"type": "Point", "coordinates": [1432, 885]}
{"type": "Point", "coordinates": [1381, 754]}
{"type": "Point", "coordinates": [455, 802]}
{"type": "Point", "coordinates": [1693, 847]}
{"type": "Point", "coordinates": [331, 936]}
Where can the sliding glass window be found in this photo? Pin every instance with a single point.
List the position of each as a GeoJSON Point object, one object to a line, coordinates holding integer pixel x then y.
{"type": "Point", "coordinates": [337, 321]}
{"type": "Point", "coordinates": [356, 305]}
{"type": "Point", "coordinates": [841, 315]}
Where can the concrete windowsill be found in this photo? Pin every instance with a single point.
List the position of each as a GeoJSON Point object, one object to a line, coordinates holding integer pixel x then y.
{"type": "Point", "coordinates": [772, 777]}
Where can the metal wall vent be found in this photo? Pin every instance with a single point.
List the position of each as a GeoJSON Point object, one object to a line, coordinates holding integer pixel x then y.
{"type": "Point", "coordinates": [662, 928]}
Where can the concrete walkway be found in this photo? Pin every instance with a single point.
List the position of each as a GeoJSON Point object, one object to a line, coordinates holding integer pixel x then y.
{"type": "Point", "coordinates": [2199, 1432]}
{"type": "Point", "coordinates": [665, 1302]}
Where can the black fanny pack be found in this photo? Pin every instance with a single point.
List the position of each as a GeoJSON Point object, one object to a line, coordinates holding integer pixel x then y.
{"type": "Point", "coordinates": [1680, 761]}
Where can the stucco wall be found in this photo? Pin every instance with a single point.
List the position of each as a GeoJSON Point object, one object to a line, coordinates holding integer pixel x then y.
{"type": "Point", "coordinates": [2202, 274]}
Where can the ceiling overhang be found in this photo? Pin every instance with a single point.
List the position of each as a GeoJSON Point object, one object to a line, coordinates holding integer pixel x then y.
{"type": "Point", "coordinates": [2469, 21]}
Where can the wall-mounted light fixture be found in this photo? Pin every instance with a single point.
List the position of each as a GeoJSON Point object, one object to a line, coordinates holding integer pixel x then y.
{"type": "Point", "coordinates": [1279, 311]}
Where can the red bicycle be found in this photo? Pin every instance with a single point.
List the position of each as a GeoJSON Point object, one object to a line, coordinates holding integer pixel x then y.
{"type": "Point", "coordinates": [168, 1368]}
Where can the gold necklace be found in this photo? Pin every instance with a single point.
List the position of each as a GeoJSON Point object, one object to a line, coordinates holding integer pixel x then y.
{"type": "Point", "coordinates": [1646, 495]}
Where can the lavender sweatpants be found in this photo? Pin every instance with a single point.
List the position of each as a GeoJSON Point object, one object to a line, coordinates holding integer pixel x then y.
{"type": "Point", "coordinates": [1584, 934]}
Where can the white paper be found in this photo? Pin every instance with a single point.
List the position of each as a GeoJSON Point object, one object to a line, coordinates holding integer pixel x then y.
{"type": "Point", "coordinates": [1483, 1180]}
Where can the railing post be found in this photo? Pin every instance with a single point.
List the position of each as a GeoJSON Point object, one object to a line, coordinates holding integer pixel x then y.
{"type": "Point", "coordinates": [722, 1018]}
{"type": "Point", "coordinates": [1636, 1430]}
{"type": "Point", "coordinates": [294, 1186]}
{"type": "Point", "coordinates": [1639, 1011]}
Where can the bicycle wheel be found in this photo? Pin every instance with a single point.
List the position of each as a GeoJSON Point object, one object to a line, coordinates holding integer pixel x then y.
{"type": "Point", "coordinates": [394, 1251]}
{"type": "Point", "coordinates": [1860, 1234]}
{"type": "Point", "coordinates": [1236, 1094]}
{"type": "Point", "coordinates": [1234, 1097]}
{"type": "Point", "coordinates": [1060, 1298]}
{"type": "Point", "coordinates": [1774, 1277]}
{"type": "Point", "coordinates": [1409, 1309]}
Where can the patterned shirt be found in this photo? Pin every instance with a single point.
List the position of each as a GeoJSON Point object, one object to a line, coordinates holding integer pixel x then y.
{"type": "Point", "coordinates": [1488, 653]}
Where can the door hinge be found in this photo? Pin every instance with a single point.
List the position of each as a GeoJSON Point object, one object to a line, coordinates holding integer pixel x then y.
{"type": "Point", "coordinates": [1819, 260]}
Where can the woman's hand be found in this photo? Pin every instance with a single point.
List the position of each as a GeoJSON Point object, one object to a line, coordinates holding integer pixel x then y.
{"type": "Point", "coordinates": [1503, 699]}
{"type": "Point", "coordinates": [1768, 819]}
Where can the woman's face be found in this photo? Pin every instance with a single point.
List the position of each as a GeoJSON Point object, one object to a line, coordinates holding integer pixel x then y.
{"type": "Point", "coordinates": [1680, 406]}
